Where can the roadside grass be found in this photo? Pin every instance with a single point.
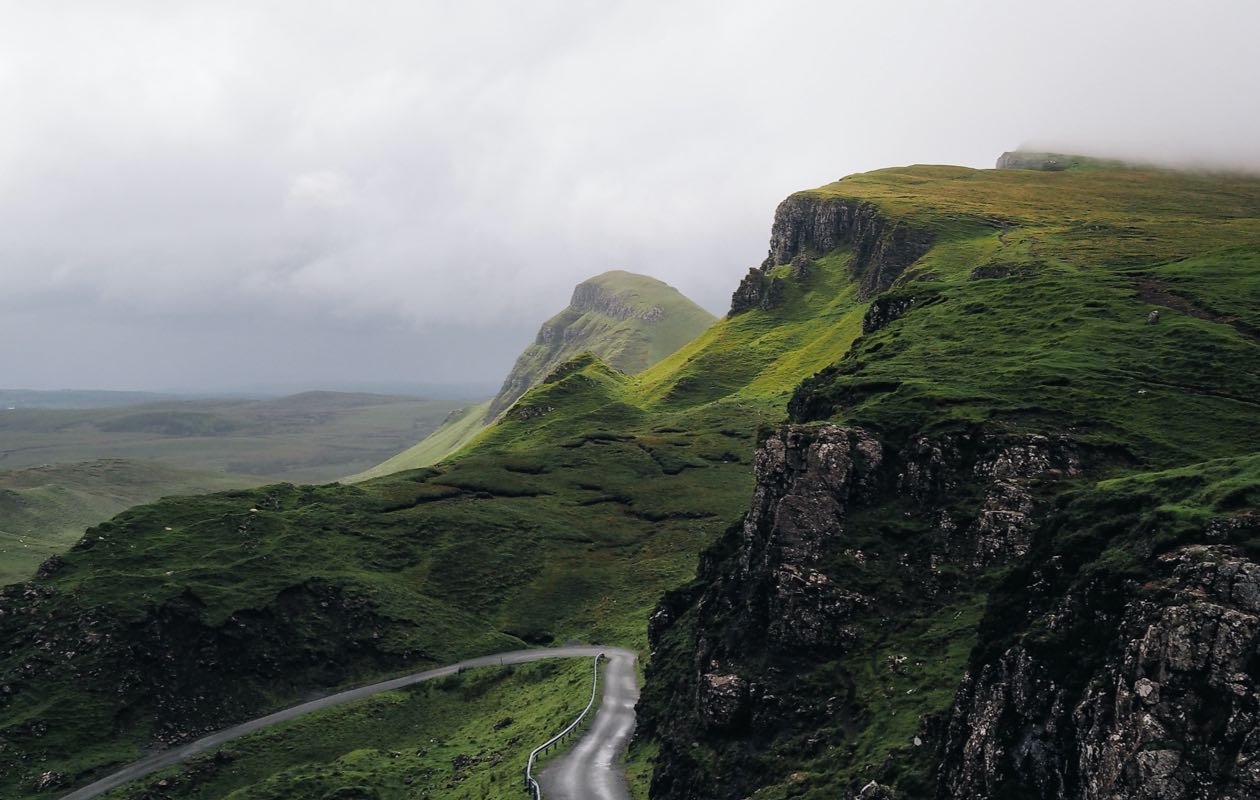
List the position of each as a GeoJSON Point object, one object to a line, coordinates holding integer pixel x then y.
{"type": "Point", "coordinates": [462, 737]}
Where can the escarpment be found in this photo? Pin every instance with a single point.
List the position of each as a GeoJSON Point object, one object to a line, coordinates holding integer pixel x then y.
{"type": "Point", "coordinates": [1087, 679]}
{"type": "Point", "coordinates": [808, 225]}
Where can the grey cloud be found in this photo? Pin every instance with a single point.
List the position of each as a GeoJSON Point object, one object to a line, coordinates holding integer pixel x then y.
{"type": "Point", "coordinates": [269, 186]}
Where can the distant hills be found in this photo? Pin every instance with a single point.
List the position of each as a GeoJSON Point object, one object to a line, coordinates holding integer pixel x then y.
{"type": "Point", "coordinates": [72, 459]}
{"type": "Point", "coordinates": [76, 398]}
{"type": "Point", "coordinates": [312, 436]}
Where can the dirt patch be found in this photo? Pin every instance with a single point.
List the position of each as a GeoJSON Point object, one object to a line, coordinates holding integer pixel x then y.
{"type": "Point", "coordinates": [1160, 294]}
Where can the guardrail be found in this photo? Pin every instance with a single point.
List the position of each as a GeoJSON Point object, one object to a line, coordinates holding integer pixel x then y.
{"type": "Point", "coordinates": [531, 785]}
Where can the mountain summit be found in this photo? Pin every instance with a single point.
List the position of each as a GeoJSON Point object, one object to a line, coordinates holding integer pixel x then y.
{"type": "Point", "coordinates": [629, 321]}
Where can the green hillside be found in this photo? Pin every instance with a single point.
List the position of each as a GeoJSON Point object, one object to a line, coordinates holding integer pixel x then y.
{"type": "Point", "coordinates": [458, 429]}
{"type": "Point", "coordinates": [45, 509]}
{"type": "Point", "coordinates": [630, 321]}
{"type": "Point", "coordinates": [915, 302]}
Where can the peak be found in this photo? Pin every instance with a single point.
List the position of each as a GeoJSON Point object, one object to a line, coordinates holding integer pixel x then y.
{"type": "Point", "coordinates": [623, 295]}
{"type": "Point", "coordinates": [618, 280]}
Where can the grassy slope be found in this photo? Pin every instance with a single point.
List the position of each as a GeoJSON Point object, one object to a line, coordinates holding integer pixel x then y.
{"type": "Point", "coordinates": [568, 517]}
{"type": "Point", "coordinates": [633, 344]}
{"type": "Point", "coordinates": [454, 433]}
{"type": "Point", "coordinates": [315, 436]}
{"type": "Point", "coordinates": [44, 510]}
{"type": "Point", "coordinates": [1063, 343]}
{"type": "Point", "coordinates": [627, 343]}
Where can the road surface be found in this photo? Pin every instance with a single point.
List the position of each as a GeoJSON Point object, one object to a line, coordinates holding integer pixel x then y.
{"type": "Point", "coordinates": [587, 772]}
{"type": "Point", "coordinates": [168, 757]}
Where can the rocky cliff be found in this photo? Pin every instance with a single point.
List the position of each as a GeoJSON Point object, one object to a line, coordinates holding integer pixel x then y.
{"type": "Point", "coordinates": [1088, 679]}
{"type": "Point", "coordinates": [771, 645]}
{"type": "Point", "coordinates": [1003, 549]}
{"type": "Point", "coordinates": [1156, 695]}
{"type": "Point", "coordinates": [807, 226]}
{"type": "Point", "coordinates": [630, 321]}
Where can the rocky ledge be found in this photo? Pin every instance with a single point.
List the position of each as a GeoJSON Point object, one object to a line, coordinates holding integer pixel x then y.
{"type": "Point", "coordinates": [807, 226]}
{"type": "Point", "coordinates": [1172, 712]}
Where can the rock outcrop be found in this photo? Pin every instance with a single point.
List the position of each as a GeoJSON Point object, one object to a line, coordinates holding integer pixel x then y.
{"type": "Point", "coordinates": [1170, 712]}
{"type": "Point", "coordinates": [779, 597]}
{"type": "Point", "coordinates": [809, 225]}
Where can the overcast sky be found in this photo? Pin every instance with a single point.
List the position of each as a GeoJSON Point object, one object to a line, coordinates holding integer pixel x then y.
{"type": "Point", "coordinates": [217, 195]}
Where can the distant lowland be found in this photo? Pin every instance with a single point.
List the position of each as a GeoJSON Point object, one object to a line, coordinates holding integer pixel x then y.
{"type": "Point", "coordinates": [72, 459]}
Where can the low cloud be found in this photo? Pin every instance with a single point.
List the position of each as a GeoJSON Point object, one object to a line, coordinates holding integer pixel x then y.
{"type": "Point", "coordinates": [261, 185]}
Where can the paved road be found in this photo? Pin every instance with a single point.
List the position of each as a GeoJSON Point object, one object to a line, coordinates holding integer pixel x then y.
{"type": "Point", "coordinates": [587, 772]}
{"type": "Point", "coordinates": [168, 757]}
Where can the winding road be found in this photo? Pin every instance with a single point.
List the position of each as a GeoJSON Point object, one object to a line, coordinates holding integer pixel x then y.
{"type": "Point", "coordinates": [601, 782]}
{"type": "Point", "coordinates": [588, 771]}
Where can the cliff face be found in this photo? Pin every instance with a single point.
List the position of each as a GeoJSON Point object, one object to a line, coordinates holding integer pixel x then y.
{"type": "Point", "coordinates": [1086, 682]}
{"type": "Point", "coordinates": [630, 321]}
{"type": "Point", "coordinates": [1168, 708]}
{"type": "Point", "coordinates": [807, 226]}
{"type": "Point", "coordinates": [768, 649]}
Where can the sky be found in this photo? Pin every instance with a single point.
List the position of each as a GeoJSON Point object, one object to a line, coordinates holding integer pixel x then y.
{"type": "Point", "coordinates": [315, 194]}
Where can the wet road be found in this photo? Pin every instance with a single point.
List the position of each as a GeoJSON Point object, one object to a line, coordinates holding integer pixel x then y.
{"type": "Point", "coordinates": [589, 771]}
{"type": "Point", "coordinates": [175, 755]}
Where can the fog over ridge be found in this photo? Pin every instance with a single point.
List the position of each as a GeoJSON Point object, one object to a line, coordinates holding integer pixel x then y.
{"type": "Point", "coordinates": [238, 194]}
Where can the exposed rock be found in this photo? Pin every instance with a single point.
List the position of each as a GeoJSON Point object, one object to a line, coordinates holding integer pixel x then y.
{"type": "Point", "coordinates": [1045, 162]}
{"type": "Point", "coordinates": [1172, 710]}
{"type": "Point", "coordinates": [808, 225]}
{"type": "Point", "coordinates": [813, 225]}
{"type": "Point", "coordinates": [590, 296]}
{"type": "Point", "coordinates": [780, 596]}
{"type": "Point", "coordinates": [886, 310]}
{"type": "Point", "coordinates": [802, 264]}
{"type": "Point", "coordinates": [49, 780]}
{"type": "Point", "coordinates": [1006, 466]}
{"type": "Point", "coordinates": [51, 566]}
{"type": "Point", "coordinates": [757, 290]}
{"type": "Point", "coordinates": [876, 791]}
{"type": "Point", "coordinates": [525, 413]}
{"type": "Point", "coordinates": [992, 271]}
{"type": "Point", "coordinates": [722, 701]}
